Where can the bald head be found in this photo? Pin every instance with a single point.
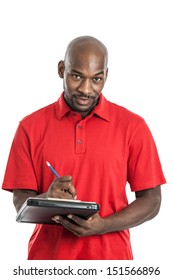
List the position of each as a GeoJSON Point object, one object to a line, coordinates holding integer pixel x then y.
{"type": "Point", "coordinates": [85, 44]}
{"type": "Point", "coordinates": [84, 73]}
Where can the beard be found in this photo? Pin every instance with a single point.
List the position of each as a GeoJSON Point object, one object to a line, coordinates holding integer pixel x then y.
{"type": "Point", "coordinates": [81, 102]}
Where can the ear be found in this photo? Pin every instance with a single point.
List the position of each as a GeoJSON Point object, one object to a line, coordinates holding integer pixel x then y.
{"type": "Point", "coordinates": [106, 73]}
{"type": "Point", "coordinates": [61, 69]}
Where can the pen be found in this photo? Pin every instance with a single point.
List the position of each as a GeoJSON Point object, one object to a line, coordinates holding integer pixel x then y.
{"type": "Point", "coordinates": [52, 169]}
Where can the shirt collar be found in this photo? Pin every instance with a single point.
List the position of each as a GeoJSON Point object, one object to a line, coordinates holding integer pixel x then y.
{"type": "Point", "coordinates": [101, 109]}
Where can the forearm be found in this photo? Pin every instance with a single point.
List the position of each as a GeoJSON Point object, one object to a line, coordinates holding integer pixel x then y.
{"type": "Point", "coordinates": [19, 197]}
{"type": "Point", "coordinates": [143, 209]}
{"type": "Point", "coordinates": [60, 188]}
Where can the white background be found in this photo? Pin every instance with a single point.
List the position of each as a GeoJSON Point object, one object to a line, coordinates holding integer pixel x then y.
{"type": "Point", "coordinates": [139, 37]}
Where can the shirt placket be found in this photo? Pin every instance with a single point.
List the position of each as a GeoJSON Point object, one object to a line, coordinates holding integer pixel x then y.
{"type": "Point", "coordinates": [80, 145]}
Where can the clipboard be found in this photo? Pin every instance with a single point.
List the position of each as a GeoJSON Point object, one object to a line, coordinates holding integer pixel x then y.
{"type": "Point", "coordinates": [41, 210]}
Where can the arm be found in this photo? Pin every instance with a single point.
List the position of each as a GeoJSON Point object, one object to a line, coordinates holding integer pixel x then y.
{"type": "Point", "coordinates": [145, 207]}
{"type": "Point", "coordinates": [19, 197]}
{"type": "Point", "coordinates": [60, 188]}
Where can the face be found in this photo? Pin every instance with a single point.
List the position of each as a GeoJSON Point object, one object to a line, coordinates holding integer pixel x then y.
{"type": "Point", "coordinates": [84, 75]}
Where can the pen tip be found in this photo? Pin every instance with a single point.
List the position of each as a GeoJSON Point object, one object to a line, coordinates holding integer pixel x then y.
{"type": "Point", "coordinates": [48, 163]}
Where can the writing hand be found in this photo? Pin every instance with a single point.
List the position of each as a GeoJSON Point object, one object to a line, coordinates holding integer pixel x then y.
{"type": "Point", "coordinates": [62, 187]}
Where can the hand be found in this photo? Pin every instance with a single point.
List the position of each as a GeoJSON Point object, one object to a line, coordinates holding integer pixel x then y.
{"type": "Point", "coordinates": [81, 227]}
{"type": "Point", "coordinates": [63, 188]}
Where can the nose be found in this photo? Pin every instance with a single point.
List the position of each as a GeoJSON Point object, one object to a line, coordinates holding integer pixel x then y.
{"type": "Point", "coordinates": [85, 86]}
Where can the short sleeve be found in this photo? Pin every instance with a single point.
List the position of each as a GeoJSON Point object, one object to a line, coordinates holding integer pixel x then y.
{"type": "Point", "coordinates": [19, 172]}
{"type": "Point", "coordinates": [144, 166]}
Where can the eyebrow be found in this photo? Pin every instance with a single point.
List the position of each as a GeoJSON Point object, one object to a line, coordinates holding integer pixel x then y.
{"type": "Point", "coordinates": [80, 73]}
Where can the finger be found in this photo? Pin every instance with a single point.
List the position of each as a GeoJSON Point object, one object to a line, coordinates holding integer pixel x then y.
{"type": "Point", "coordinates": [70, 189]}
{"type": "Point", "coordinates": [65, 185]}
{"type": "Point", "coordinates": [56, 219]}
{"type": "Point", "coordinates": [66, 178]}
{"type": "Point", "coordinates": [64, 222]}
{"type": "Point", "coordinates": [79, 221]}
{"type": "Point", "coordinates": [70, 225]}
{"type": "Point", "coordinates": [63, 195]}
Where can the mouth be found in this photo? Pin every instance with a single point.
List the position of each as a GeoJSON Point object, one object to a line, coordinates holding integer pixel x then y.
{"type": "Point", "coordinates": [83, 100]}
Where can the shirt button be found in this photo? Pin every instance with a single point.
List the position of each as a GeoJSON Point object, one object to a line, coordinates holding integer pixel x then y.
{"type": "Point", "coordinates": [79, 126]}
{"type": "Point", "coordinates": [79, 141]}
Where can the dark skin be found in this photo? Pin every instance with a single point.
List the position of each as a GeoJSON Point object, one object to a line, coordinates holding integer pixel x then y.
{"type": "Point", "coordinates": [84, 73]}
{"type": "Point", "coordinates": [60, 188]}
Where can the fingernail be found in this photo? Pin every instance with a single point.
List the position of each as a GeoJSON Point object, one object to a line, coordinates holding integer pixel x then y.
{"type": "Point", "coordinates": [56, 217]}
{"type": "Point", "coordinates": [70, 216]}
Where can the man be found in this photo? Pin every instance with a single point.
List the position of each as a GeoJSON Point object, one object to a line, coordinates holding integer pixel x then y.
{"type": "Point", "coordinates": [96, 147]}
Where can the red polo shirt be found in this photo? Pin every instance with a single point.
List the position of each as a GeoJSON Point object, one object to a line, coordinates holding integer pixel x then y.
{"type": "Point", "coordinates": [104, 151]}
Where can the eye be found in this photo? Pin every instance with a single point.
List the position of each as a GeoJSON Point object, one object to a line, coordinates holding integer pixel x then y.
{"type": "Point", "coordinates": [97, 79]}
{"type": "Point", "coordinates": [76, 77]}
